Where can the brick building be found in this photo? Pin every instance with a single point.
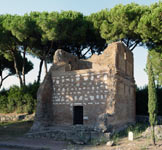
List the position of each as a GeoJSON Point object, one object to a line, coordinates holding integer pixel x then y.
{"type": "Point", "coordinates": [98, 92]}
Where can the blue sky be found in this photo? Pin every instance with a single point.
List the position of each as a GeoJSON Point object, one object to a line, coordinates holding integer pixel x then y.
{"type": "Point", "coordinates": [86, 7]}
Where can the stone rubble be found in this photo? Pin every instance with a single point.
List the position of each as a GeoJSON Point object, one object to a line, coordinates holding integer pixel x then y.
{"type": "Point", "coordinates": [16, 117]}
{"type": "Point", "coordinates": [158, 132]}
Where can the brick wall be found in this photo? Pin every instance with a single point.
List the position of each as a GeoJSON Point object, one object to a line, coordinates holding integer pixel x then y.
{"type": "Point", "coordinates": [88, 88]}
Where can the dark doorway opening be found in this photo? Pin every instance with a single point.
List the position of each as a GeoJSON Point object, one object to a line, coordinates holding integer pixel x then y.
{"type": "Point", "coordinates": [78, 115]}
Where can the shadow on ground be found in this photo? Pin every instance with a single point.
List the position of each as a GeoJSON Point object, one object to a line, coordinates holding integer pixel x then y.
{"type": "Point", "coordinates": [14, 129]}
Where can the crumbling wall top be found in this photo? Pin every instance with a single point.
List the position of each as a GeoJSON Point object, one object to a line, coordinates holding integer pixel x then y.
{"type": "Point", "coordinates": [116, 56]}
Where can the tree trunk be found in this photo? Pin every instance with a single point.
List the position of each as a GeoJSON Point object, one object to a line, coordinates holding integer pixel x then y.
{"type": "Point", "coordinates": [1, 82]}
{"type": "Point", "coordinates": [40, 71]}
{"type": "Point", "coordinates": [23, 66]}
{"type": "Point", "coordinates": [153, 134]}
{"type": "Point", "coordinates": [45, 66]}
{"type": "Point", "coordinates": [16, 68]}
{"type": "Point", "coordinates": [45, 56]}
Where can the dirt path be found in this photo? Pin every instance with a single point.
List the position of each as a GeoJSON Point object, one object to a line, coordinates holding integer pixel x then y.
{"type": "Point", "coordinates": [26, 144]}
{"type": "Point", "coordinates": [47, 144]}
{"type": "Point", "coordinates": [124, 144]}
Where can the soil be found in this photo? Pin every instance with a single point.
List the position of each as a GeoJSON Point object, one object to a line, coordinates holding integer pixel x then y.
{"type": "Point", "coordinates": [139, 143]}
{"type": "Point", "coordinates": [32, 144]}
{"type": "Point", "coordinates": [11, 138]}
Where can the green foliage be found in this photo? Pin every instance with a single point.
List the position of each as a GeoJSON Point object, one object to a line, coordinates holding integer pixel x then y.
{"type": "Point", "coordinates": [152, 98]}
{"type": "Point", "coordinates": [98, 18]}
{"type": "Point", "coordinates": [7, 66]}
{"type": "Point", "coordinates": [67, 30]}
{"type": "Point", "coordinates": [16, 34]}
{"type": "Point", "coordinates": [137, 130]}
{"type": "Point", "coordinates": [156, 60]}
{"type": "Point", "coordinates": [121, 24]}
{"type": "Point", "coordinates": [20, 100]}
{"type": "Point", "coordinates": [150, 26]}
{"type": "Point", "coordinates": [30, 103]}
{"type": "Point", "coordinates": [31, 89]}
{"type": "Point", "coordinates": [3, 103]}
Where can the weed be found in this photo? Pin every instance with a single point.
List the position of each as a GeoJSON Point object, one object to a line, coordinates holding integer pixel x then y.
{"type": "Point", "coordinates": [137, 129]}
{"type": "Point", "coordinates": [115, 138]}
{"type": "Point", "coordinates": [143, 148]}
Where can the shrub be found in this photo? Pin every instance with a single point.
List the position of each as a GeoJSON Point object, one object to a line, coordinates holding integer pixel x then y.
{"type": "Point", "coordinates": [20, 100]}
{"type": "Point", "coordinates": [30, 103]}
{"type": "Point", "coordinates": [15, 99]}
{"type": "Point", "coordinates": [3, 104]}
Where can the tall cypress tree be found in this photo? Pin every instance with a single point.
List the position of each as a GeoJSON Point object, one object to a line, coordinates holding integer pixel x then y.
{"type": "Point", "coordinates": [152, 98]}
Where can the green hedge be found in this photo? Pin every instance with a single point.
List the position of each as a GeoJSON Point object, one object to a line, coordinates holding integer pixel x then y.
{"type": "Point", "coordinates": [20, 100]}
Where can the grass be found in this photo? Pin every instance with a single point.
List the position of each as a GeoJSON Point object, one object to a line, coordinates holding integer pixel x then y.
{"type": "Point", "coordinates": [137, 129]}
{"type": "Point", "coordinates": [14, 129]}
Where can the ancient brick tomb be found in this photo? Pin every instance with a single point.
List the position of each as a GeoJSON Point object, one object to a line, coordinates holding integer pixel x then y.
{"type": "Point", "coordinates": [98, 92]}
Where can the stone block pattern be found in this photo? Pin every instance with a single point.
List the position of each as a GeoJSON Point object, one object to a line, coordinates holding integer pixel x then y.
{"type": "Point", "coordinates": [87, 88]}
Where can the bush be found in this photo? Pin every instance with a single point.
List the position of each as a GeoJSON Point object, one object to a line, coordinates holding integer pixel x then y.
{"type": "Point", "coordinates": [3, 104]}
{"type": "Point", "coordinates": [31, 89]}
{"type": "Point", "coordinates": [15, 102]}
{"type": "Point", "coordinates": [20, 100]}
{"type": "Point", "coordinates": [30, 103]}
{"type": "Point", "coordinates": [3, 101]}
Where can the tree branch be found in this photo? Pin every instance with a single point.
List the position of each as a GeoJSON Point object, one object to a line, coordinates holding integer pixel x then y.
{"type": "Point", "coordinates": [131, 49]}
{"type": "Point", "coordinates": [86, 52]}
{"type": "Point", "coordinates": [128, 42]}
{"type": "Point", "coordinates": [2, 79]}
{"type": "Point", "coordinates": [7, 76]}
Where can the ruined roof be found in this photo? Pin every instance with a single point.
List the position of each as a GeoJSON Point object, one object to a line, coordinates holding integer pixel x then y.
{"type": "Point", "coordinates": [116, 56]}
